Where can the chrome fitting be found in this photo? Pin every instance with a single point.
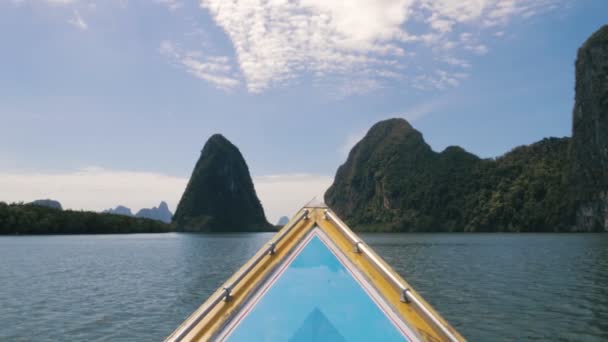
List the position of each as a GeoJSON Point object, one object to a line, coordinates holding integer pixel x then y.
{"type": "Point", "coordinates": [227, 294]}
{"type": "Point", "coordinates": [404, 296]}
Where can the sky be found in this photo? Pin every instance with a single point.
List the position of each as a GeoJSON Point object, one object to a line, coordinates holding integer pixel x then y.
{"type": "Point", "coordinates": [110, 102]}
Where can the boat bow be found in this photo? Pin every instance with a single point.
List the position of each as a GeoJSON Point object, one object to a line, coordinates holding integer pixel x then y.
{"type": "Point", "coordinates": [315, 280]}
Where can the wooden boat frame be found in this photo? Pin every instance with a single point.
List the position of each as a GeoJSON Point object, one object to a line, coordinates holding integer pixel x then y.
{"type": "Point", "coordinates": [211, 317]}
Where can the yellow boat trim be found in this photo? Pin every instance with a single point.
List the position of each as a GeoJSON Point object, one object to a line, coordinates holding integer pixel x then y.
{"type": "Point", "coordinates": [211, 317]}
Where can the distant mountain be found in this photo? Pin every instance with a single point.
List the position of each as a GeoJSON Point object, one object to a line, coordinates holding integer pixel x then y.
{"type": "Point", "coordinates": [160, 213]}
{"type": "Point", "coordinates": [283, 221]}
{"type": "Point", "coordinates": [119, 210]}
{"type": "Point", "coordinates": [393, 181]}
{"type": "Point", "coordinates": [49, 203]}
{"type": "Point", "coordinates": [22, 219]}
{"type": "Point", "coordinates": [220, 195]}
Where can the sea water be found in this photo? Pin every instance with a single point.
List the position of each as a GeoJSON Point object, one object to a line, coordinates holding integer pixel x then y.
{"type": "Point", "coordinates": [490, 287]}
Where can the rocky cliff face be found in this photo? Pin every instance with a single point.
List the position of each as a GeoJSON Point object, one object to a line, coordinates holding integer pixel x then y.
{"type": "Point", "coordinates": [590, 133]}
{"type": "Point", "coordinates": [220, 195]}
{"type": "Point", "coordinates": [393, 181]}
{"type": "Point", "coordinates": [369, 187]}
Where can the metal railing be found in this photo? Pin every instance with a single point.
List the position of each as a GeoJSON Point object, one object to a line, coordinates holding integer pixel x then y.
{"type": "Point", "coordinates": [225, 295]}
{"type": "Point", "coordinates": [405, 293]}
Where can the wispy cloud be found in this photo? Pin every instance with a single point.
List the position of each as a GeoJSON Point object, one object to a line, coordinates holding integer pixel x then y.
{"type": "Point", "coordinates": [355, 46]}
{"type": "Point", "coordinates": [95, 188]}
{"type": "Point", "coordinates": [171, 4]}
{"type": "Point", "coordinates": [50, 2]}
{"type": "Point", "coordinates": [214, 69]}
{"type": "Point", "coordinates": [77, 21]}
{"type": "Point", "coordinates": [439, 79]}
{"type": "Point", "coordinates": [72, 8]}
{"type": "Point", "coordinates": [421, 110]}
{"type": "Point", "coordinates": [279, 40]}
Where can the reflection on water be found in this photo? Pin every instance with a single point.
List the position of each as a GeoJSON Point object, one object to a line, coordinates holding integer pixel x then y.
{"type": "Point", "coordinates": [140, 287]}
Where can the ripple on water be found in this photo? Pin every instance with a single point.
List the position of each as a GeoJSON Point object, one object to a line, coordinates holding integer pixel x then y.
{"type": "Point", "coordinates": [491, 287]}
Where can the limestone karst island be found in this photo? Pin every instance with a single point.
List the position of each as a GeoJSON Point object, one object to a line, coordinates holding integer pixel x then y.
{"type": "Point", "coordinates": [403, 170]}
{"type": "Point", "coordinates": [393, 181]}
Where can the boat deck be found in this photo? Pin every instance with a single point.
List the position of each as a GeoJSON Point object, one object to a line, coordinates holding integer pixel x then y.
{"type": "Point", "coordinates": [315, 280]}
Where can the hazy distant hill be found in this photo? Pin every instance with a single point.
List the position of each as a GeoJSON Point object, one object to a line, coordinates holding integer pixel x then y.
{"type": "Point", "coordinates": [49, 203]}
{"type": "Point", "coordinates": [119, 210]}
{"type": "Point", "coordinates": [160, 213]}
{"type": "Point", "coordinates": [220, 195]}
{"type": "Point", "coordinates": [21, 219]}
{"type": "Point", "coordinates": [392, 179]}
{"type": "Point", "coordinates": [283, 221]}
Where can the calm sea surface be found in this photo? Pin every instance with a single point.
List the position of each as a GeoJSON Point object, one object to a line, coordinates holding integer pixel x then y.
{"type": "Point", "coordinates": [140, 287]}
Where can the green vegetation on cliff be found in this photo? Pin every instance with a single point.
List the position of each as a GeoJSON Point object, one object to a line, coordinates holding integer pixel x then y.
{"type": "Point", "coordinates": [220, 196]}
{"type": "Point", "coordinates": [393, 181]}
{"type": "Point", "coordinates": [589, 150]}
{"type": "Point", "coordinates": [21, 219]}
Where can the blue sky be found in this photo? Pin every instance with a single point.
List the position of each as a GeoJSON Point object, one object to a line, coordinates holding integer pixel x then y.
{"type": "Point", "coordinates": [97, 96]}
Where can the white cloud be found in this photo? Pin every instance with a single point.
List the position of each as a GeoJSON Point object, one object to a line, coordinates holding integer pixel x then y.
{"type": "Point", "coordinates": [351, 45]}
{"type": "Point", "coordinates": [358, 87]}
{"type": "Point", "coordinates": [454, 61]}
{"type": "Point", "coordinates": [479, 49]}
{"type": "Point", "coordinates": [171, 4]}
{"type": "Point", "coordinates": [216, 70]}
{"type": "Point", "coordinates": [77, 21]}
{"type": "Point", "coordinates": [97, 189]}
{"type": "Point", "coordinates": [486, 12]}
{"type": "Point", "coordinates": [439, 79]}
{"type": "Point", "coordinates": [278, 40]}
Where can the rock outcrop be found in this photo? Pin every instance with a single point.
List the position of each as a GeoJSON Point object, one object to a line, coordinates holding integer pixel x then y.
{"type": "Point", "coordinates": [590, 133]}
{"type": "Point", "coordinates": [393, 181]}
{"type": "Point", "coordinates": [220, 195]}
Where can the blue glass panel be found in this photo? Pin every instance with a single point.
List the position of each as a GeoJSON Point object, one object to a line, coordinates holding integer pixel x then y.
{"type": "Point", "coordinates": [316, 299]}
